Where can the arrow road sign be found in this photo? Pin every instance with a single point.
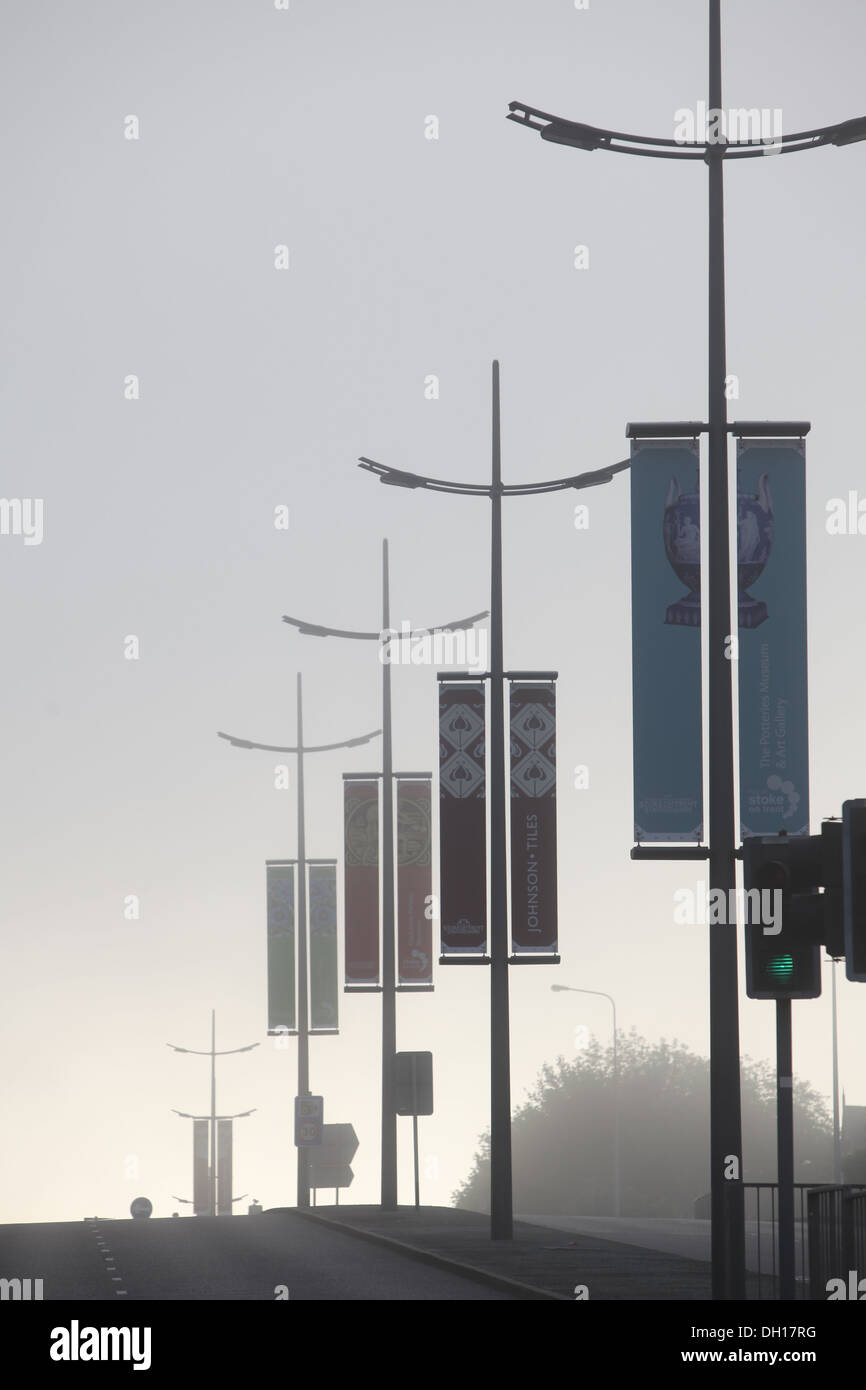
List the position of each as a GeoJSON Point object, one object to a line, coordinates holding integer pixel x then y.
{"type": "Point", "coordinates": [329, 1163]}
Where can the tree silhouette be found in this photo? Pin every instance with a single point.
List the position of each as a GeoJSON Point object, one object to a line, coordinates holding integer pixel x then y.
{"type": "Point", "coordinates": [562, 1136]}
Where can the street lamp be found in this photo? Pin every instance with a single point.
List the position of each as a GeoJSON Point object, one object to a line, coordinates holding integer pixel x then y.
{"type": "Point", "coordinates": [571, 989]}
{"type": "Point", "coordinates": [213, 1117]}
{"type": "Point", "coordinates": [728, 1233]}
{"type": "Point", "coordinates": [501, 1208]}
{"type": "Point", "coordinates": [389, 986]}
{"type": "Point", "coordinates": [300, 749]}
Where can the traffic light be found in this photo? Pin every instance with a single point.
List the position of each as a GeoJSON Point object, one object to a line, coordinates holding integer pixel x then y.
{"type": "Point", "coordinates": [784, 915]}
{"type": "Point", "coordinates": [833, 897]}
{"type": "Point", "coordinates": [854, 887]}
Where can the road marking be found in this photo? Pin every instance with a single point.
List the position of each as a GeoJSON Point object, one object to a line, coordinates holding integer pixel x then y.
{"type": "Point", "coordinates": [120, 1291]}
{"type": "Point", "coordinates": [116, 1279]}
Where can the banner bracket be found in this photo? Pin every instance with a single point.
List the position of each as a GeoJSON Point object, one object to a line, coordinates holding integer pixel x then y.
{"type": "Point", "coordinates": [670, 852]}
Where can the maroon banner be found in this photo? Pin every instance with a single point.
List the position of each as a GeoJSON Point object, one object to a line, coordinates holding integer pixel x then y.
{"type": "Point", "coordinates": [462, 819]}
{"type": "Point", "coordinates": [533, 818]}
{"type": "Point", "coordinates": [361, 808]}
{"type": "Point", "coordinates": [224, 1167]}
{"type": "Point", "coordinates": [201, 1189]}
{"type": "Point", "coordinates": [414, 884]}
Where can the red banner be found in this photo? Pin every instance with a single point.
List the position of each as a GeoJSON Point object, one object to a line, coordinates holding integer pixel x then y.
{"type": "Point", "coordinates": [414, 884]}
{"type": "Point", "coordinates": [462, 819]}
{"type": "Point", "coordinates": [533, 818]}
{"type": "Point", "coordinates": [361, 808]}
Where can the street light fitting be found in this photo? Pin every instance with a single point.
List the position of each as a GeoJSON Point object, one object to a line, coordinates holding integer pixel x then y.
{"type": "Point", "coordinates": [581, 137]}
{"type": "Point", "coordinates": [849, 132]}
{"type": "Point", "coordinates": [235, 743]}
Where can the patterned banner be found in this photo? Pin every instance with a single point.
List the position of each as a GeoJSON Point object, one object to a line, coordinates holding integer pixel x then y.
{"type": "Point", "coordinates": [414, 883]}
{"type": "Point", "coordinates": [201, 1195]}
{"type": "Point", "coordinates": [224, 1167]}
{"type": "Point", "coordinates": [666, 639]}
{"type": "Point", "coordinates": [533, 818]}
{"type": "Point", "coordinates": [361, 807]}
{"type": "Point", "coordinates": [324, 985]}
{"type": "Point", "coordinates": [281, 944]}
{"type": "Point", "coordinates": [771, 608]}
{"type": "Point", "coordinates": [462, 819]}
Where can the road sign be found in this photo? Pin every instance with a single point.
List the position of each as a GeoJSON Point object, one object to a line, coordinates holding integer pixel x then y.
{"type": "Point", "coordinates": [140, 1207]}
{"type": "Point", "coordinates": [414, 1083]}
{"type": "Point", "coordinates": [329, 1163]}
{"type": "Point", "coordinates": [309, 1121]}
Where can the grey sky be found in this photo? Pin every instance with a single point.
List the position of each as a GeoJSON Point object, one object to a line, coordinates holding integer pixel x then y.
{"type": "Point", "coordinates": [408, 257]}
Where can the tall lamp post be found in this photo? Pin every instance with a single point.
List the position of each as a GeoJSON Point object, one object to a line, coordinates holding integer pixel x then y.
{"type": "Point", "coordinates": [213, 1117]}
{"type": "Point", "coordinates": [617, 1191]}
{"type": "Point", "coordinates": [501, 1209]}
{"type": "Point", "coordinates": [389, 985]}
{"type": "Point", "coordinates": [300, 749]}
{"type": "Point", "coordinates": [728, 1235]}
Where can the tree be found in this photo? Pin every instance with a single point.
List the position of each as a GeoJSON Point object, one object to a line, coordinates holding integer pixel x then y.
{"type": "Point", "coordinates": [562, 1136]}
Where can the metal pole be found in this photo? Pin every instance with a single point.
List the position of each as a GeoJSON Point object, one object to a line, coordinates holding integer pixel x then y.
{"type": "Point", "coordinates": [617, 1183]}
{"type": "Point", "coordinates": [303, 1016]}
{"type": "Point", "coordinates": [389, 995]}
{"type": "Point", "coordinates": [728, 1240]}
{"type": "Point", "coordinates": [417, 1179]}
{"type": "Point", "coordinates": [213, 1112]}
{"type": "Point", "coordinates": [501, 1214]}
{"type": "Point", "coordinates": [785, 1148]}
{"type": "Point", "coordinates": [837, 1136]}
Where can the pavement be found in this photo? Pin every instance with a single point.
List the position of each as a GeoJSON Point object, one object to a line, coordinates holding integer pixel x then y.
{"type": "Point", "coordinates": [544, 1261]}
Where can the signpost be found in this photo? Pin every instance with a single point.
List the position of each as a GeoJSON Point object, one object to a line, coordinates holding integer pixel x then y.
{"type": "Point", "coordinates": [329, 1162]}
{"type": "Point", "coordinates": [414, 1082]}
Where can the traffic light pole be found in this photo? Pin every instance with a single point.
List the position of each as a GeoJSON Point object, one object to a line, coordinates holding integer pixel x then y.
{"type": "Point", "coordinates": [303, 985]}
{"type": "Point", "coordinates": [785, 1147]}
{"type": "Point", "coordinates": [837, 1137]}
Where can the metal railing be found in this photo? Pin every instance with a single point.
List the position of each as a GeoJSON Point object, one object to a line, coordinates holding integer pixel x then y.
{"type": "Point", "coordinates": [836, 1238]}
{"type": "Point", "coordinates": [762, 1239]}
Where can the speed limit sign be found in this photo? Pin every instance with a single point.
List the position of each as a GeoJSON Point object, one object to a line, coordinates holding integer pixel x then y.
{"type": "Point", "coordinates": [309, 1120]}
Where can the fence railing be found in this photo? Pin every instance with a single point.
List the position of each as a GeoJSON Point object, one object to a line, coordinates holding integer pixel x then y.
{"type": "Point", "coordinates": [836, 1237]}
{"type": "Point", "coordinates": [762, 1239]}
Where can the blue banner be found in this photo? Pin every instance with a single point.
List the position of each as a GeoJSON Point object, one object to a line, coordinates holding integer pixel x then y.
{"type": "Point", "coordinates": [666, 639]}
{"type": "Point", "coordinates": [771, 605]}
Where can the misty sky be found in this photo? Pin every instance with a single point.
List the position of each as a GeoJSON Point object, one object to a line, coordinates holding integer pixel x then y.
{"type": "Point", "coordinates": [260, 387]}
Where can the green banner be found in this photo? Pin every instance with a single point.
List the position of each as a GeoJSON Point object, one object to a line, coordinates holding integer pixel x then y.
{"type": "Point", "coordinates": [323, 945]}
{"type": "Point", "coordinates": [771, 608]}
{"type": "Point", "coordinates": [281, 945]}
{"type": "Point", "coordinates": [666, 639]}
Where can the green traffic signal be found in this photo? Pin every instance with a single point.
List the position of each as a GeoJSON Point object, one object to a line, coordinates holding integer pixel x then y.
{"type": "Point", "coordinates": [780, 967]}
